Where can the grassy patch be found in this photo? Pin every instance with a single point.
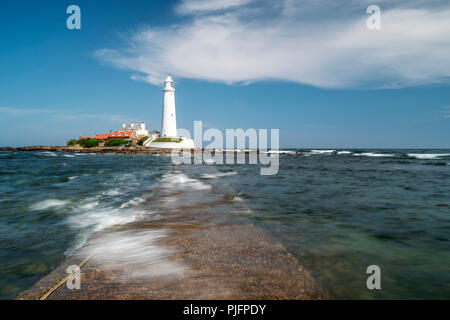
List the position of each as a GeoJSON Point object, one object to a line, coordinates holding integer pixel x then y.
{"type": "Point", "coordinates": [116, 142]}
{"type": "Point", "coordinates": [177, 140]}
{"type": "Point", "coordinates": [142, 140]}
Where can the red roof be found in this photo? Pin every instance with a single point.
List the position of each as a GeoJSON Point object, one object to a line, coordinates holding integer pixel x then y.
{"type": "Point", "coordinates": [123, 134]}
{"type": "Point", "coordinates": [96, 136]}
{"type": "Point", "coordinates": [101, 136]}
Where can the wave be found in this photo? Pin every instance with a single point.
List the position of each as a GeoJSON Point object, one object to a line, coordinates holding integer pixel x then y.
{"type": "Point", "coordinates": [49, 204]}
{"type": "Point", "coordinates": [344, 152]}
{"type": "Point", "coordinates": [133, 202]}
{"type": "Point", "coordinates": [177, 180]}
{"type": "Point", "coordinates": [69, 156]}
{"type": "Point", "coordinates": [371, 154]}
{"type": "Point", "coordinates": [111, 192]}
{"type": "Point", "coordinates": [319, 152]}
{"type": "Point", "coordinates": [281, 152]}
{"type": "Point", "coordinates": [48, 154]}
{"type": "Point", "coordinates": [209, 160]}
{"type": "Point", "coordinates": [428, 155]}
{"type": "Point", "coordinates": [217, 175]}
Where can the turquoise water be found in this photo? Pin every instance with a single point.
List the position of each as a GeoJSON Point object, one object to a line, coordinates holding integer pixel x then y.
{"type": "Point", "coordinates": [336, 211]}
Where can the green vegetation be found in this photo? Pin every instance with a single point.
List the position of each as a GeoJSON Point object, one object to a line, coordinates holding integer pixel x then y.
{"type": "Point", "coordinates": [142, 140]}
{"type": "Point", "coordinates": [72, 142]}
{"type": "Point", "coordinates": [177, 140]}
{"type": "Point", "coordinates": [116, 142]}
{"type": "Point", "coordinates": [85, 143]}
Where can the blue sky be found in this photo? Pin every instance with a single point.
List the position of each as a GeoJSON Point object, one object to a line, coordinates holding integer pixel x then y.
{"type": "Point", "coordinates": [311, 69]}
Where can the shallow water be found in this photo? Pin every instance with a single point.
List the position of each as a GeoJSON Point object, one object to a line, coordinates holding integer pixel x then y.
{"type": "Point", "coordinates": [337, 211]}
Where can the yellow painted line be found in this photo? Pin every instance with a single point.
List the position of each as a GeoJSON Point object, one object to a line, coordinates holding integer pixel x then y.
{"type": "Point", "coordinates": [63, 280]}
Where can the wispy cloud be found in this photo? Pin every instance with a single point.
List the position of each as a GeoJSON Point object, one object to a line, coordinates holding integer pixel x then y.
{"type": "Point", "coordinates": [197, 6]}
{"type": "Point", "coordinates": [324, 44]}
{"type": "Point", "coordinates": [63, 115]}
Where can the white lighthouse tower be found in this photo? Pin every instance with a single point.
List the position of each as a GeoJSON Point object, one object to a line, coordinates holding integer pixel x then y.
{"type": "Point", "coordinates": [169, 123]}
{"type": "Point", "coordinates": [169, 118]}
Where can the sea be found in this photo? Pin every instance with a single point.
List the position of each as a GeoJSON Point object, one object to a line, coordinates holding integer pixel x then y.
{"type": "Point", "coordinates": [336, 211]}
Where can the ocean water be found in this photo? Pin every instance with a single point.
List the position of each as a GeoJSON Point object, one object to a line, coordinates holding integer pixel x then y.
{"type": "Point", "coordinates": [336, 211]}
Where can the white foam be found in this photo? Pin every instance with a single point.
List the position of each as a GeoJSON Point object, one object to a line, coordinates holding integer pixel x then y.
{"type": "Point", "coordinates": [281, 152]}
{"type": "Point", "coordinates": [47, 204]}
{"type": "Point", "coordinates": [323, 151]}
{"type": "Point", "coordinates": [209, 160]}
{"type": "Point", "coordinates": [49, 154]}
{"type": "Point", "coordinates": [102, 218]}
{"type": "Point", "coordinates": [135, 254]}
{"type": "Point", "coordinates": [344, 152]}
{"type": "Point", "coordinates": [428, 155]}
{"type": "Point", "coordinates": [133, 202]}
{"type": "Point", "coordinates": [111, 192]}
{"type": "Point", "coordinates": [69, 156]}
{"type": "Point", "coordinates": [89, 205]}
{"type": "Point", "coordinates": [217, 175]}
{"type": "Point", "coordinates": [178, 180]}
{"type": "Point", "coordinates": [74, 177]}
{"type": "Point", "coordinates": [370, 154]}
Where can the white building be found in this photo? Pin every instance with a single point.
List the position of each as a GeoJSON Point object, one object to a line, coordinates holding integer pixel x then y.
{"type": "Point", "coordinates": [169, 122]}
{"type": "Point", "coordinates": [139, 130]}
{"type": "Point", "coordinates": [169, 118]}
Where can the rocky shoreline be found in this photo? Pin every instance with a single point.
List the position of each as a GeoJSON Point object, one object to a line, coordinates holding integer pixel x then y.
{"type": "Point", "coordinates": [122, 150]}
{"type": "Point", "coordinates": [125, 150]}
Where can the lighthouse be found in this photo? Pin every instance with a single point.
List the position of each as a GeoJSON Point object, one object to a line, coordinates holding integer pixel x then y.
{"type": "Point", "coordinates": [169, 123]}
{"type": "Point", "coordinates": [169, 119]}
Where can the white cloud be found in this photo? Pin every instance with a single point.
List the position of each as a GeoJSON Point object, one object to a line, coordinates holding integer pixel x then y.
{"type": "Point", "coordinates": [310, 44]}
{"type": "Point", "coordinates": [196, 6]}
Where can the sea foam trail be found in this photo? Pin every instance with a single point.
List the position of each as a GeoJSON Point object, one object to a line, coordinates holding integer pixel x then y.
{"type": "Point", "coordinates": [177, 180]}
{"type": "Point", "coordinates": [428, 155]}
{"type": "Point", "coordinates": [217, 175]}
{"type": "Point", "coordinates": [344, 152]}
{"type": "Point", "coordinates": [135, 254]}
{"type": "Point", "coordinates": [49, 204]}
{"type": "Point", "coordinates": [133, 202]}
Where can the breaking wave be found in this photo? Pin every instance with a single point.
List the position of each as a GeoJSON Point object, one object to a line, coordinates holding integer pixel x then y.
{"type": "Point", "coordinates": [217, 175]}
{"type": "Point", "coordinates": [49, 204]}
{"type": "Point", "coordinates": [371, 154]}
{"type": "Point", "coordinates": [428, 155]}
{"type": "Point", "coordinates": [177, 180]}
